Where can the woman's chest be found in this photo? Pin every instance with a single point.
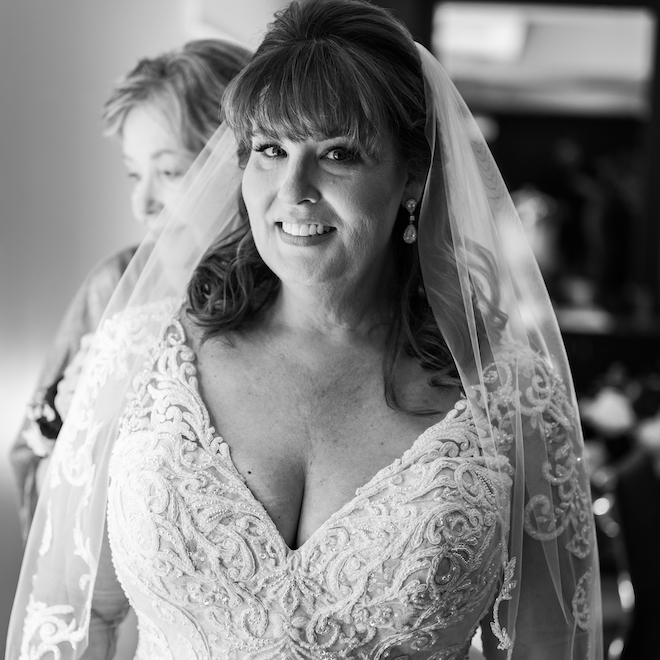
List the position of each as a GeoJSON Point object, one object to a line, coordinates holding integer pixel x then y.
{"type": "Point", "coordinates": [419, 544]}
{"type": "Point", "coordinates": [305, 442]}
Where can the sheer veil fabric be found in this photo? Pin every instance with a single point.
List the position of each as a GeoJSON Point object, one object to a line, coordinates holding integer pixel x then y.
{"type": "Point", "coordinates": [492, 307]}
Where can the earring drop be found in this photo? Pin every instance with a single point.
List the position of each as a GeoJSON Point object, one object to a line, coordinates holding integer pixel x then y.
{"type": "Point", "coordinates": [410, 234]}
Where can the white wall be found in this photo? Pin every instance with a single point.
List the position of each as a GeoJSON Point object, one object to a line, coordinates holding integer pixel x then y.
{"type": "Point", "coordinates": [63, 191]}
{"type": "Point", "coordinates": [244, 21]}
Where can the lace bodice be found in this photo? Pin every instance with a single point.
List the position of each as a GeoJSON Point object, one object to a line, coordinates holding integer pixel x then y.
{"type": "Point", "coordinates": [406, 569]}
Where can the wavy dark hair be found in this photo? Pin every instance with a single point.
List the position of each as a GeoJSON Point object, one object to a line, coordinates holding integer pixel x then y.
{"type": "Point", "coordinates": [329, 68]}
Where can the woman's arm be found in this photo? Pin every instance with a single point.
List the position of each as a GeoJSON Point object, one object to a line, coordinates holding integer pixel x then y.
{"type": "Point", "coordinates": [559, 610]}
{"type": "Point", "coordinates": [549, 605]}
{"type": "Point", "coordinates": [109, 608]}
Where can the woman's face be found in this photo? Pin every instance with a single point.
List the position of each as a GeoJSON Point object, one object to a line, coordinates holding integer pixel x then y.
{"type": "Point", "coordinates": [156, 160]}
{"type": "Point", "coordinates": [322, 212]}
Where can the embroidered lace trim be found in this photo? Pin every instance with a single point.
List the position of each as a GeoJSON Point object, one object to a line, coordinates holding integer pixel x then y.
{"type": "Point", "coordinates": [404, 570]}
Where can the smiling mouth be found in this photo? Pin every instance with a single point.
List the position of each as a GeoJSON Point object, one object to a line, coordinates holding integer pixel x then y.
{"type": "Point", "coordinates": [295, 229]}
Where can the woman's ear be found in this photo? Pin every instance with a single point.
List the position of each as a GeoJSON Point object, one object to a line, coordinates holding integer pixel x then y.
{"type": "Point", "coordinates": [412, 190]}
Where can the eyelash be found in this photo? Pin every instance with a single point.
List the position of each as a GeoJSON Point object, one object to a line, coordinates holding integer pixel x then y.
{"type": "Point", "coordinates": [167, 173]}
{"type": "Point", "coordinates": [352, 156]}
{"type": "Point", "coordinates": [261, 148]}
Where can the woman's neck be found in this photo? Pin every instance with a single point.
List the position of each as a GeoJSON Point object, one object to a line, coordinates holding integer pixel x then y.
{"type": "Point", "coordinates": [332, 310]}
{"type": "Point", "coordinates": [343, 308]}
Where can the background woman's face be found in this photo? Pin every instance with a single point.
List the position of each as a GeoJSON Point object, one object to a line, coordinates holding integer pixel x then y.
{"type": "Point", "coordinates": [320, 210]}
{"type": "Point", "coordinates": [156, 160]}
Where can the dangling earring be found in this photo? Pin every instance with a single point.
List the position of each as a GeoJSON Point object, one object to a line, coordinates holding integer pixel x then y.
{"type": "Point", "coordinates": [410, 234]}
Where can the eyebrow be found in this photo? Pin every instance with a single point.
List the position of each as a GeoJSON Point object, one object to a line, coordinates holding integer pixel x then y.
{"type": "Point", "coordinates": [164, 152]}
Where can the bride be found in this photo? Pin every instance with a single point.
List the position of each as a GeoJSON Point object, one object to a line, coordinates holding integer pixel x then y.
{"type": "Point", "coordinates": [334, 418]}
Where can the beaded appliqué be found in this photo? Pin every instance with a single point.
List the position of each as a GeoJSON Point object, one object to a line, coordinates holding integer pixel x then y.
{"type": "Point", "coordinates": [53, 625]}
{"type": "Point", "coordinates": [404, 570]}
{"type": "Point", "coordinates": [580, 602]}
{"type": "Point", "coordinates": [505, 642]}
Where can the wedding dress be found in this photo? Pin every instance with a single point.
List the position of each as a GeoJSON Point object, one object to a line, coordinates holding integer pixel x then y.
{"type": "Point", "coordinates": [405, 569]}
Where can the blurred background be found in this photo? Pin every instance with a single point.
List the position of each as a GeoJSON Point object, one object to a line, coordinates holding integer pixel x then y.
{"type": "Point", "coordinates": [567, 95]}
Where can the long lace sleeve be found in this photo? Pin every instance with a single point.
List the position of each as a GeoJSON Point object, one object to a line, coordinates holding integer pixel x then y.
{"type": "Point", "coordinates": [556, 582]}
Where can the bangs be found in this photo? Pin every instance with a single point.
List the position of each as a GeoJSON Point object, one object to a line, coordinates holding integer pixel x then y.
{"type": "Point", "coordinates": [312, 89]}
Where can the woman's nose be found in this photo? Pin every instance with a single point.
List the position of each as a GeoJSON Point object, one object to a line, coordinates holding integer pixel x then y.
{"type": "Point", "coordinates": [146, 201]}
{"type": "Point", "coordinates": [299, 184]}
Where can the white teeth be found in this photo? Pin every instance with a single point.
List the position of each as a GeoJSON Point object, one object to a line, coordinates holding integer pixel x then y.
{"type": "Point", "coordinates": [304, 230]}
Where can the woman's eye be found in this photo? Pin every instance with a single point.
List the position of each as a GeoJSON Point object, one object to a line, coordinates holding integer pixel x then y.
{"type": "Point", "coordinates": [134, 176]}
{"type": "Point", "coordinates": [171, 174]}
{"type": "Point", "coordinates": [270, 150]}
{"type": "Point", "coordinates": [341, 154]}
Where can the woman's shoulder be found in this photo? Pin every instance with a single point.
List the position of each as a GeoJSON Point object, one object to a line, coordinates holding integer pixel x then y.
{"type": "Point", "coordinates": [524, 381]}
{"type": "Point", "coordinates": [527, 375]}
{"type": "Point", "coordinates": [140, 326]}
{"type": "Point", "coordinates": [98, 286]}
{"type": "Point", "coordinates": [108, 271]}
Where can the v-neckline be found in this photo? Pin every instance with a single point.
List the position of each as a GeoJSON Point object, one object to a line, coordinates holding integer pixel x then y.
{"type": "Point", "coordinates": [359, 491]}
{"type": "Point", "coordinates": [459, 405]}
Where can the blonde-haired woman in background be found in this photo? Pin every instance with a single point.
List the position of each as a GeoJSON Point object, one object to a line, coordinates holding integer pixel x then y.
{"type": "Point", "coordinates": [162, 112]}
